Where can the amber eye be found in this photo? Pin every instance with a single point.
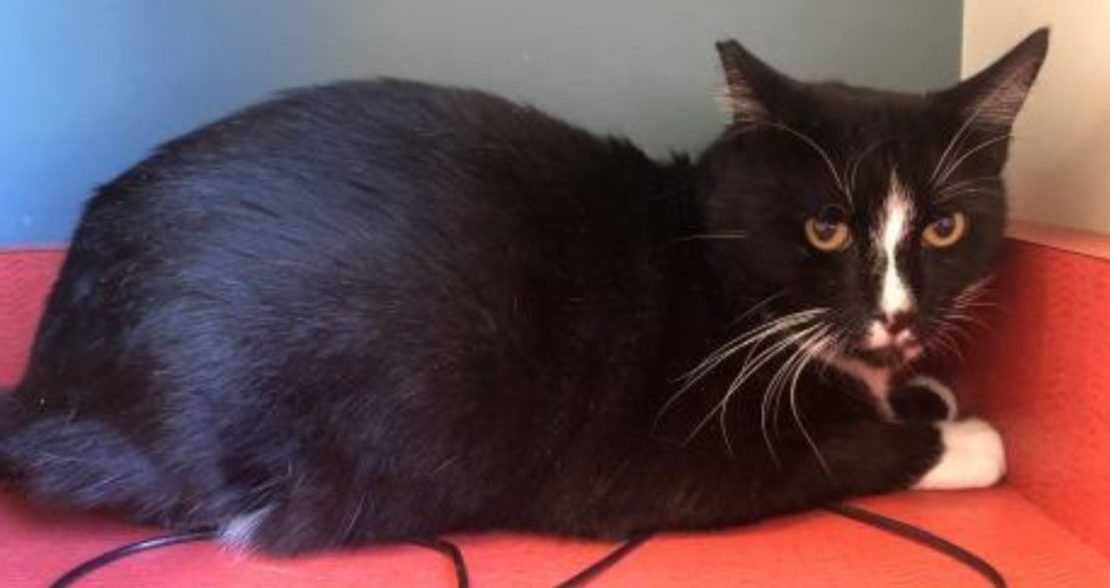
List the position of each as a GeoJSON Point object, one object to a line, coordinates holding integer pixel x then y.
{"type": "Point", "coordinates": [945, 231]}
{"type": "Point", "coordinates": [828, 233]}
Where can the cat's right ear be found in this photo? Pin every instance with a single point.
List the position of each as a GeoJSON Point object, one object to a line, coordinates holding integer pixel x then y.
{"type": "Point", "coordinates": [994, 96]}
{"type": "Point", "coordinates": [750, 85]}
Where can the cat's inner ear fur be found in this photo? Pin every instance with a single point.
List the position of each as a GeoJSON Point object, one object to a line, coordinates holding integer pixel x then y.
{"type": "Point", "coordinates": [749, 83]}
{"type": "Point", "coordinates": [994, 96]}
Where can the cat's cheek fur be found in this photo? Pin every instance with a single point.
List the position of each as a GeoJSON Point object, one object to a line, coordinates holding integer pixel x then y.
{"type": "Point", "coordinates": [972, 457]}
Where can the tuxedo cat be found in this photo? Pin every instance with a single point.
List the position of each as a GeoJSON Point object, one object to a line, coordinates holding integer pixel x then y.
{"type": "Point", "coordinates": [380, 310]}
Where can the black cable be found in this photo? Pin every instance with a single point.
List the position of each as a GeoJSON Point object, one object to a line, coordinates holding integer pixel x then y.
{"type": "Point", "coordinates": [590, 572]}
{"type": "Point", "coordinates": [447, 548]}
{"type": "Point", "coordinates": [921, 537]}
{"type": "Point", "coordinates": [75, 574]}
{"type": "Point", "coordinates": [462, 577]}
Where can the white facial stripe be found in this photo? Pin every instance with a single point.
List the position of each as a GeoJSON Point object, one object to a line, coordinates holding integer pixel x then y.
{"type": "Point", "coordinates": [893, 228]}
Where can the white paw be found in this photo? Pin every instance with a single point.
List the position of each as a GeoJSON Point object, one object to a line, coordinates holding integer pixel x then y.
{"type": "Point", "coordinates": [941, 390]}
{"type": "Point", "coordinates": [973, 457]}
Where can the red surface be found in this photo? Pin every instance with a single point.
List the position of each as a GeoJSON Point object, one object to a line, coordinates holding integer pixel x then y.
{"type": "Point", "coordinates": [1044, 379]}
{"type": "Point", "coordinates": [1051, 418]}
{"type": "Point", "coordinates": [807, 551]}
{"type": "Point", "coordinates": [25, 277]}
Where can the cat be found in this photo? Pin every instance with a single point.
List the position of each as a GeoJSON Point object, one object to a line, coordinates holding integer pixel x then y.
{"type": "Point", "coordinates": [379, 310]}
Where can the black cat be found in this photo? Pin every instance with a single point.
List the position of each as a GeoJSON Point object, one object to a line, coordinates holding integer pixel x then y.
{"type": "Point", "coordinates": [382, 310]}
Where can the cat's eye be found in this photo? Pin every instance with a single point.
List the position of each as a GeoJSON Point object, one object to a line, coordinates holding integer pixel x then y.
{"type": "Point", "coordinates": [828, 233]}
{"type": "Point", "coordinates": [945, 231]}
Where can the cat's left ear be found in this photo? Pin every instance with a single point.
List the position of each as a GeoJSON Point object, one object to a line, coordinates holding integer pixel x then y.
{"type": "Point", "coordinates": [993, 97]}
{"type": "Point", "coordinates": [751, 86]}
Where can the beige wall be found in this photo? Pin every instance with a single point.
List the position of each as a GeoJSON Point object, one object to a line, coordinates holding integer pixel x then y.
{"type": "Point", "coordinates": [1060, 170]}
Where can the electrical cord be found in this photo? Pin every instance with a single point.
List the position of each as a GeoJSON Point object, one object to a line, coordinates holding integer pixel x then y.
{"type": "Point", "coordinates": [584, 576]}
{"type": "Point", "coordinates": [462, 576]}
{"type": "Point", "coordinates": [72, 576]}
{"type": "Point", "coordinates": [921, 537]}
{"type": "Point", "coordinates": [590, 572]}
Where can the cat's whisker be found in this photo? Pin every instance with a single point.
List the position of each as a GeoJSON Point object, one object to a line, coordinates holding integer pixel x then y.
{"type": "Point", "coordinates": [958, 330]}
{"type": "Point", "coordinates": [746, 371]}
{"type": "Point", "coordinates": [945, 343]}
{"type": "Point", "coordinates": [714, 236]}
{"type": "Point", "coordinates": [981, 304]}
{"type": "Point", "coordinates": [820, 151]}
{"type": "Point", "coordinates": [768, 392]}
{"type": "Point", "coordinates": [977, 179]}
{"type": "Point", "coordinates": [783, 375]}
{"type": "Point", "coordinates": [956, 137]}
{"type": "Point", "coordinates": [968, 153]}
{"type": "Point", "coordinates": [947, 196]}
{"type": "Point", "coordinates": [963, 129]}
{"type": "Point", "coordinates": [745, 339]}
{"type": "Point", "coordinates": [757, 307]}
{"type": "Point", "coordinates": [853, 167]}
{"type": "Point", "coordinates": [942, 340]}
{"type": "Point", "coordinates": [968, 181]}
{"type": "Point", "coordinates": [752, 337]}
{"type": "Point", "coordinates": [772, 392]}
{"type": "Point", "coordinates": [971, 320]}
{"type": "Point", "coordinates": [798, 417]}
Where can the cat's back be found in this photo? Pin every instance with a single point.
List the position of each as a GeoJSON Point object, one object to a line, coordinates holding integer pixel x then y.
{"type": "Point", "coordinates": [360, 220]}
{"type": "Point", "coordinates": [362, 205]}
{"type": "Point", "coordinates": [352, 151]}
{"type": "Point", "coordinates": [391, 126]}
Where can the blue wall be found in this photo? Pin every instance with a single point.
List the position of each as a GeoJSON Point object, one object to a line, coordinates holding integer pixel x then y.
{"type": "Point", "coordinates": [89, 87]}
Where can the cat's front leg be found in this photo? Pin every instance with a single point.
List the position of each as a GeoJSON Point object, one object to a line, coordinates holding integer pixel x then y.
{"type": "Point", "coordinates": [947, 455]}
{"type": "Point", "coordinates": [972, 456]}
{"type": "Point", "coordinates": [923, 399]}
{"type": "Point", "coordinates": [921, 413]}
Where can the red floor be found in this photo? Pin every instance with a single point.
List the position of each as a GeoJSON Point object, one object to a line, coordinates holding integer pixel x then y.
{"type": "Point", "coordinates": [1047, 529]}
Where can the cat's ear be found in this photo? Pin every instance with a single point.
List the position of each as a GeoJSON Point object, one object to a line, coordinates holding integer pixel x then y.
{"type": "Point", "coordinates": [994, 96]}
{"type": "Point", "coordinates": [750, 85]}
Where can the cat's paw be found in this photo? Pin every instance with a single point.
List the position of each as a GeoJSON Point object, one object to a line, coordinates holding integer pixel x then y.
{"type": "Point", "coordinates": [923, 398]}
{"type": "Point", "coordinates": [972, 457]}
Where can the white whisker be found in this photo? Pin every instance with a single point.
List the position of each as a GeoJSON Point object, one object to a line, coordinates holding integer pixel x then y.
{"type": "Point", "coordinates": [798, 416]}
{"type": "Point", "coordinates": [968, 153]}
{"type": "Point", "coordinates": [963, 129]}
{"type": "Point", "coordinates": [968, 182]}
{"type": "Point", "coordinates": [771, 394]}
{"type": "Point", "coordinates": [853, 167]}
{"type": "Point", "coordinates": [714, 236]}
{"type": "Point", "coordinates": [748, 338]}
{"type": "Point", "coordinates": [746, 371]}
{"type": "Point", "coordinates": [824, 154]}
{"type": "Point", "coordinates": [782, 376]}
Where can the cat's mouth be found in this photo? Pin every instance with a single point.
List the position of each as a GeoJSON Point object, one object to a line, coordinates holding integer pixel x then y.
{"type": "Point", "coordinates": [891, 356]}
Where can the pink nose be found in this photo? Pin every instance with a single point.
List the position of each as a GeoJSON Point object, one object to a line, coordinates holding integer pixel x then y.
{"type": "Point", "coordinates": [897, 322]}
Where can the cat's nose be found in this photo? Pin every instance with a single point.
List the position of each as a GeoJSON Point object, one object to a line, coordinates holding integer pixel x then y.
{"type": "Point", "coordinates": [897, 322]}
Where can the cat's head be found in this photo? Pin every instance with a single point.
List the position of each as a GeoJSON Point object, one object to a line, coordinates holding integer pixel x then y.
{"type": "Point", "coordinates": [867, 220]}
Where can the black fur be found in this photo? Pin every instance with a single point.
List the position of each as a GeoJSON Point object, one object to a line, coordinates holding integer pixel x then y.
{"type": "Point", "coordinates": [380, 310]}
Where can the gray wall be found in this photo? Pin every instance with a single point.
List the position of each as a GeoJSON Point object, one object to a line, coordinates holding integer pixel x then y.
{"type": "Point", "coordinates": [89, 86]}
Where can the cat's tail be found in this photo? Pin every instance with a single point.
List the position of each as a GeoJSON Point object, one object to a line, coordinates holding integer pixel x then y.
{"type": "Point", "coordinates": [80, 462]}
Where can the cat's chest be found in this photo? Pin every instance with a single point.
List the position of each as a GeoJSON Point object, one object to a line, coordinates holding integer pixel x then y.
{"type": "Point", "coordinates": [876, 380]}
